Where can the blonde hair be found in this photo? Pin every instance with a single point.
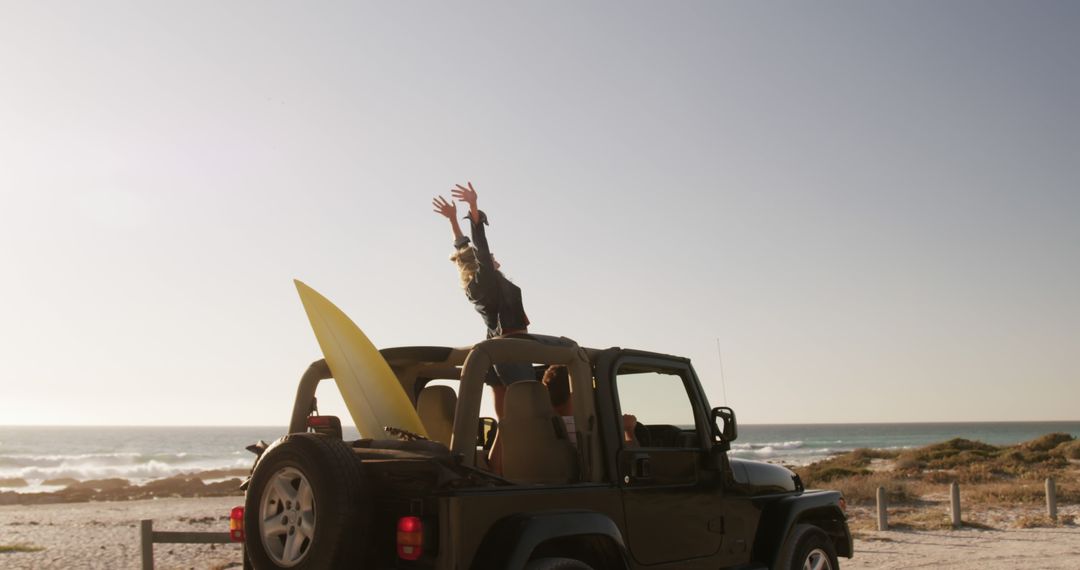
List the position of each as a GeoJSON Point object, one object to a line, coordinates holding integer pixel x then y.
{"type": "Point", "coordinates": [465, 258]}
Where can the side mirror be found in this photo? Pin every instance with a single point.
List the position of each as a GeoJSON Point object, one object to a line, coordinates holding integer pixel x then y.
{"type": "Point", "coordinates": [724, 420]}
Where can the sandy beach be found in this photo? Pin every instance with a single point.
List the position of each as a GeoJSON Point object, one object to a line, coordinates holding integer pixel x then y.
{"type": "Point", "coordinates": [95, 524]}
{"type": "Point", "coordinates": [996, 543]}
{"type": "Point", "coordinates": [106, 535]}
{"type": "Point", "coordinates": [967, 549]}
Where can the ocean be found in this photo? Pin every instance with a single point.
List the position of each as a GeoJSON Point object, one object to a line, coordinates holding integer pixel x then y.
{"type": "Point", "coordinates": [32, 458]}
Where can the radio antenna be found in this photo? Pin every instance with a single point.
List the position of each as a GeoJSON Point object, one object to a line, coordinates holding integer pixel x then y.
{"type": "Point", "coordinates": [720, 356]}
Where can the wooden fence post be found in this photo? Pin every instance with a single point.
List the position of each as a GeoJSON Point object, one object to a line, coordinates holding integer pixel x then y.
{"type": "Point", "coordinates": [954, 491]}
{"type": "Point", "coordinates": [146, 539]}
{"type": "Point", "coordinates": [1051, 499]}
{"type": "Point", "coordinates": [148, 536]}
{"type": "Point", "coordinates": [882, 510]}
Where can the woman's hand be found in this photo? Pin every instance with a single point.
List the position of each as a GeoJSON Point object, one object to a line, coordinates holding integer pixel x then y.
{"type": "Point", "coordinates": [444, 208]}
{"type": "Point", "coordinates": [629, 424]}
{"type": "Point", "coordinates": [448, 210]}
{"type": "Point", "coordinates": [467, 195]}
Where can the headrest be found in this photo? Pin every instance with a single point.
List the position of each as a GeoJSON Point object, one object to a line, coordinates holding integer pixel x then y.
{"type": "Point", "coordinates": [527, 399]}
{"type": "Point", "coordinates": [436, 406]}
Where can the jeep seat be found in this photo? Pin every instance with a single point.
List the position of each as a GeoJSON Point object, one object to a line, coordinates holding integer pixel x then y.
{"type": "Point", "coordinates": [535, 447]}
{"type": "Point", "coordinates": [436, 406]}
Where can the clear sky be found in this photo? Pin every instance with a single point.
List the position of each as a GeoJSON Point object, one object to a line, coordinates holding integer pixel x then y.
{"type": "Point", "coordinates": [873, 208]}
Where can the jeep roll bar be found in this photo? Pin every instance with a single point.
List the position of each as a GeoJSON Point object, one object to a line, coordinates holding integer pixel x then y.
{"type": "Point", "coordinates": [535, 349]}
{"type": "Point", "coordinates": [305, 394]}
{"type": "Point", "coordinates": [476, 361]}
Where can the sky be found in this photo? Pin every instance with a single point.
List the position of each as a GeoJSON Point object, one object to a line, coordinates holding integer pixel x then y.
{"type": "Point", "coordinates": [868, 211]}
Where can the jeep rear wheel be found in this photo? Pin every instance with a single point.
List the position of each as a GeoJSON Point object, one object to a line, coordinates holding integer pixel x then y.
{"type": "Point", "coordinates": [304, 507]}
{"type": "Point", "coordinates": [808, 548]}
{"type": "Point", "coordinates": [287, 517]}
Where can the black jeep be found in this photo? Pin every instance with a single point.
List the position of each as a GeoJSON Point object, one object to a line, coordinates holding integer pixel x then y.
{"type": "Point", "coordinates": [665, 496]}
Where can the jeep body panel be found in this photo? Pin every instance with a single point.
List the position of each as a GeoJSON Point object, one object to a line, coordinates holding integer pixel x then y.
{"type": "Point", "coordinates": [780, 514]}
{"type": "Point", "coordinates": [512, 540]}
{"type": "Point", "coordinates": [471, 515]}
{"type": "Point", "coordinates": [756, 478]}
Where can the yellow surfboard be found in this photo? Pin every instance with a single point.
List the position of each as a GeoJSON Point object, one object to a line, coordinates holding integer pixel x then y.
{"type": "Point", "coordinates": [369, 387]}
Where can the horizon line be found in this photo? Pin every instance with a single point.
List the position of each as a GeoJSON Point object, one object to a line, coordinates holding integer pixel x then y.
{"type": "Point", "coordinates": [951, 422]}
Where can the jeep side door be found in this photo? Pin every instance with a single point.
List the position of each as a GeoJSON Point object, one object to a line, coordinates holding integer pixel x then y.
{"type": "Point", "coordinates": [672, 498]}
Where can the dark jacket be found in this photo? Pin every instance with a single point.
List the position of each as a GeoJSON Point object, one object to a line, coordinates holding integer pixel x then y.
{"type": "Point", "coordinates": [493, 295]}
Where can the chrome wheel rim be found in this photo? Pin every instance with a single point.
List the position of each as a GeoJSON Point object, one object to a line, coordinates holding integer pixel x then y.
{"type": "Point", "coordinates": [817, 560]}
{"type": "Point", "coordinates": [287, 517]}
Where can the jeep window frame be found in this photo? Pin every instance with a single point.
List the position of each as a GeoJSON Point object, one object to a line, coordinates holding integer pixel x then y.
{"type": "Point", "coordinates": [691, 388]}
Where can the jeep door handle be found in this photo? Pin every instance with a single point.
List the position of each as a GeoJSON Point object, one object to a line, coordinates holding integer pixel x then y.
{"type": "Point", "coordinates": [642, 468]}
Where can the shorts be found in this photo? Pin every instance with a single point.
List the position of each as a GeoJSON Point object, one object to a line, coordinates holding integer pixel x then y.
{"type": "Point", "coordinates": [507, 374]}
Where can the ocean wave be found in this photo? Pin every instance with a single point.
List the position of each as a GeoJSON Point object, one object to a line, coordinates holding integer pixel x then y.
{"type": "Point", "coordinates": [132, 466]}
{"type": "Point", "coordinates": [12, 460]}
{"type": "Point", "coordinates": [16, 459]}
{"type": "Point", "coordinates": [795, 453]}
{"type": "Point", "coordinates": [787, 445]}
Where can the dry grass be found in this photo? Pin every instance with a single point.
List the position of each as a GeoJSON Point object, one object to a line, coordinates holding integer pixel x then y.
{"type": "Point", "coordinates": [862, 489]}
{"type": "Point", "coordinates": [845, 465]}
{"type": "Point", "coordinates": [1016, 492]}
{"type": "Point", "coordinates": [868, 537]}
{"type": "Point", "coordinates": [989, 476]}
{"type": "Point", "coordinates": [979, 461]}
{"type": "Point", "coordinates": [925, 517]}
{"type": "Point", "coordinates": [919, 519]}
{"type": "Point", "coordinates": [949, 454]}
{"type": "Point", "coordinates": [1048, 442]}
{"type": "Point", "coordinates": [1043, 521]}
{"type": "Point", "coordinates": [1070, 450]}
{"type": "Point", "coordinates": [21, 547]}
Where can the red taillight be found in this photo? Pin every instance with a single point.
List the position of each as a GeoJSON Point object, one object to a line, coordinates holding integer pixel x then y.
{"type": "Point", "coordinates": [318, 421]}
{"type": "Point", "coordinates": [843, 504]}
{"type": "Point", "coordinates": [236, 524]}
{"type": "Point", "coordinates": [410, 538]}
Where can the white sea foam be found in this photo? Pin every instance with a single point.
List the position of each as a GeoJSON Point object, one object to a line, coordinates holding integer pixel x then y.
{"type": "Point", "coordinates": [786, 445]}
{"type": "Point", "coordinates": [135, 467]}
{"type": "Point", "coordinates": [795, 452]}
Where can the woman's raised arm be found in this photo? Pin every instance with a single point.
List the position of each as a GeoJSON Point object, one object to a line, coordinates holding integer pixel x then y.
{"type": "Point", "coordinates": [478, 219]}
{"type": "Point", "coordinates": [449, 210]}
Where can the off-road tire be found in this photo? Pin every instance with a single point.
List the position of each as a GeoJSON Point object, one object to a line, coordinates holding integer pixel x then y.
{"type": "Point", "coordinates": [807, 548]}
{"type": "Point", "coordinates": [328, 478]}
{"type": "Point", "coordinates": [557, 564]}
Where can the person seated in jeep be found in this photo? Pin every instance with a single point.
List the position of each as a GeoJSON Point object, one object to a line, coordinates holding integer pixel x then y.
{"type": "Point", "coordinates": [557, 381]}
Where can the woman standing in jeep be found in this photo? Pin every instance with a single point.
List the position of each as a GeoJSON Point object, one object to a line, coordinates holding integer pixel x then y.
{"type": "Point", "coordinates": [494, 296]}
